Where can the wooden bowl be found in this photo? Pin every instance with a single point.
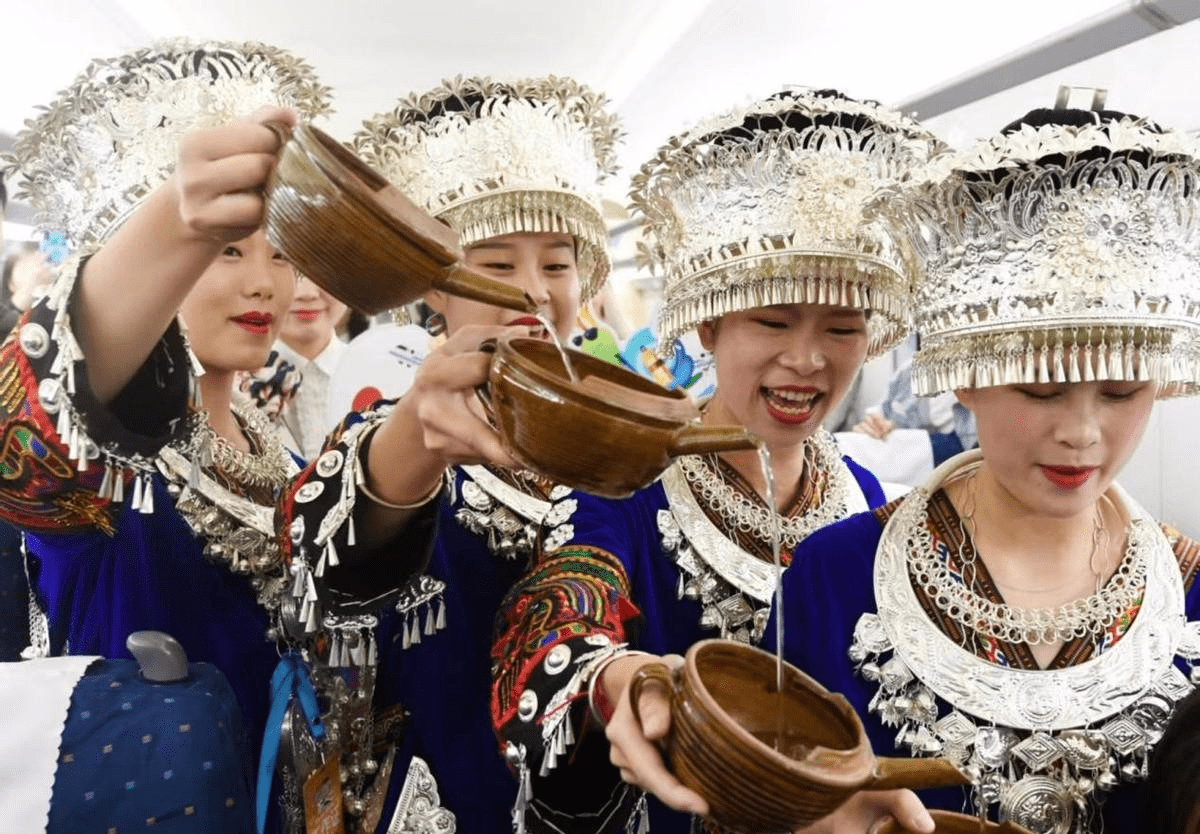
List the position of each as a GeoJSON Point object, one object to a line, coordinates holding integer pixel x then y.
{"type": "Point", "coordinates": [345, 227]}
{"type": "Point", "coordinates": [610, 433]}
{"type": "Point", "coordinates": [769, 762]}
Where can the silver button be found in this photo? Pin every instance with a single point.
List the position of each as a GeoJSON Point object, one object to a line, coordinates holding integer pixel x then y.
{"type": "Point", "coordinates": [330, 463]}
{"type": "Point", "coordinates": [309, 492]}
{"type": "Point", "coordinates": [35, 341]}
{"type": "Point", "coordinates": [297, 530]}
{"type": "Point", "coordinates": [557, 659]}
{"type": "Point", "coordinates": [527, 705]}
{"type": "Point", "coordinates": [50, 395]}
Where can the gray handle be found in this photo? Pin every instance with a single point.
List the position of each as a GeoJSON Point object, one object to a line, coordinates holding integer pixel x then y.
{"type": "Point", "coordinates": [161, 657]}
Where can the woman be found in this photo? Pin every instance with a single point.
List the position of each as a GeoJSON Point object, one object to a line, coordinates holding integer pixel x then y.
{"type": "Point", "coordinates": [308, 342]}
{"type": "Point", "coordinates": [148, 495]}
{"type": "Point", "coordinates": [516, 175]}
{"type": "Point", "coordinates": [757, 218]}
{"type": "Point", "coordinates": [1020, 614]}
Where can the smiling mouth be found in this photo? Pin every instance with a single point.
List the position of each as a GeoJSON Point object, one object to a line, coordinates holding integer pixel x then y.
{"type": "Point", "coordinates": [791, 406]}
{"type": "Point", "coordinates": [537, 327]}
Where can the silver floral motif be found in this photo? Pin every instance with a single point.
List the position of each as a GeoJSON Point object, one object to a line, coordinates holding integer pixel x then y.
{"type": "Point", "coordinates": [419, 809]}
{"type": "Point", "coordinates": [559, 536]}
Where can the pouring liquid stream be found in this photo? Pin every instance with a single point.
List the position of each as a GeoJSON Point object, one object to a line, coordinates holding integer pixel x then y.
{"type": "Point", "coordinates": [764, 458]}
{"type": "Point", "coordinates": [562, 351]}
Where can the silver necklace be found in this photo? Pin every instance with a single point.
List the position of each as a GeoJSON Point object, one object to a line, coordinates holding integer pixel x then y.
{"type": "Point", "coordinates": [271, 467]}
{"type": "Point", "coordinates": [1042, 745]}
{"type": "Point", "coordinates": [756, 518]}
{"type": "Point", "coordinates": [1090, 616]}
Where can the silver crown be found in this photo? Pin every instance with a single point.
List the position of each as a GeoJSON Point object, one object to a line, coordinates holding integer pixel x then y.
{"type": "Point", "coordinates": [1061, 254]}
{"type": "Point", "coordinates": [492, 158]}
{"type": "Point", "coordinates": [89, 158]}
{"type": "Point", "coordinates": [766, 205]}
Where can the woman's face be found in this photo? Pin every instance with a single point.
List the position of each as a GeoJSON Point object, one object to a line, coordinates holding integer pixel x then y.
{"type": "Point", "coordinates": [1057, 447]}
{"type": "Point", "coordinates": [234, 311]}
{"type": "Point", "coordinates": [310, 321]}
{"type": "Point", "coordinates": [780, 369]}
{"type": "Point", "coordinates": [541, 264]}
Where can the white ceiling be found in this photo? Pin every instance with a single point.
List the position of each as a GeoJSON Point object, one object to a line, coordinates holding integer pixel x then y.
{"type": "Point", "coordinates": [664, 63]}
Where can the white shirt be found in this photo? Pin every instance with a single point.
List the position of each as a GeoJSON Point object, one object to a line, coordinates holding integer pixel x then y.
{"type": "Point", "coordinates": [304, 416]}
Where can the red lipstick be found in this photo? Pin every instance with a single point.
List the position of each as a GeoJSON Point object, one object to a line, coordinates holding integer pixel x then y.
{"type": "Point", "coordinates": [256, 322]}
{"type": "Point", "coordinates": [791, 405]}
{"type": "Point", "coordinates": [1068, 477]}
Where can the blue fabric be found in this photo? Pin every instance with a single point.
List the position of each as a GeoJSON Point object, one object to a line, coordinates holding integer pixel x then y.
{"type": "Point", "coordinates": [945, 446]}
{"type": "Point", "coordinates": [153, 575]}
{"type": "Point", "coordinates": [133, 751]}
{"type": "Point", "coordinates": [290, 681]}
{"type": "Point", "coordinates": [829, 586]}
{"type": "Point", "coordinates": [628, 528]}
{"type": "Point", "coordinates": [444, 682]}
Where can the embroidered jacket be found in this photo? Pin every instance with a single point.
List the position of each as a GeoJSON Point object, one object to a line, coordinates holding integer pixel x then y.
{"type": "Point", "coordinates": [125, 532]}
{"type": "Point", "coordinates": [617, 574]}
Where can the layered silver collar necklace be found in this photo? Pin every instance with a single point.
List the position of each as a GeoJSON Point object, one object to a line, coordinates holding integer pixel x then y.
{"type": "Point", "coordinates": [1042, 745]}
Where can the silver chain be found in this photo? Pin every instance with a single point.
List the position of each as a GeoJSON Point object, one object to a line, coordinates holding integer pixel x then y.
{"type": "Point", "coordinates": [757, 519]}
{"type": "Point", "coordinates": [1091, 615]}
{"type": "Point", "coordinates": [268, 468]}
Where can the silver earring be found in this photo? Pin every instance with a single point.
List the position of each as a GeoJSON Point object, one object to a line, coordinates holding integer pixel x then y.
{"type": "Point", "coordinates": [435, 324]}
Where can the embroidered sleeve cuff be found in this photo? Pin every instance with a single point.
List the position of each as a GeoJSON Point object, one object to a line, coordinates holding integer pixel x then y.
{"type": "Point", "coordinates": [72, 454]}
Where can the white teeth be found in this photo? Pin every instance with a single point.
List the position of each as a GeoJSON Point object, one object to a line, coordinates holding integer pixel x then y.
{"type": "Point", "coordinates": [799, 400]}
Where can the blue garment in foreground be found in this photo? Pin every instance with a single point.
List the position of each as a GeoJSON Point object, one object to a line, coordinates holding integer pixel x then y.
{"type": "Point", "coordinates": [141, 756]}
{"type": "Point", "coordinates": [444, 682]}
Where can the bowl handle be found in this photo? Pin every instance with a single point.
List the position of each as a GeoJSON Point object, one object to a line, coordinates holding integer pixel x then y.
{"type": "Point", "coordinates": [915, 774]}
{"type": "Point", "coordinates": [700, 439]}
{"type": "Point", "coordinates": [465, 282]}
{"type": "Point", "coordinates": [483, 391]}
{"type": "Point", "coordinates": [651, 672]}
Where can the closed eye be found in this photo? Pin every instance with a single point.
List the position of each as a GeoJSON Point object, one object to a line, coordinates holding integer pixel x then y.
{"type": "Point", "coordinates": [1038, 395]}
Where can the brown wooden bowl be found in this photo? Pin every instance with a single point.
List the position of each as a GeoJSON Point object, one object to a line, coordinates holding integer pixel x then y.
{"type": "Point", "coordinates": [349, 230]}
{"type": "Point", "coordinates": [770, 763]}
{"type": "Point", "coordinates": [610, 433]}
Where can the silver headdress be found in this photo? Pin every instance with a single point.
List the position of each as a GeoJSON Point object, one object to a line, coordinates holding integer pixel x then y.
{"type": "Point", "coordinates": [1061, 252]}
{"type": "Point", "coordinates": [112, 137]}
{"type": "Point", "coordinates": [492, 158]}
{"type": "Point", "coordinates": [765, 205]}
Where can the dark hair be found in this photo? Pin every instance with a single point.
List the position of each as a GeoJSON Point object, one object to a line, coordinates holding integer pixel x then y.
{"type": "Point", "coordinates": [356, 323]}
{"type": "Point", "coordinates": [1070, 117]}
{"type": "Point", "coordinates": [3, 193]}
{"type": "Point", "coordinates": [1172, 795]}
{"type": "Point", "coordinates": [758, 122]}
